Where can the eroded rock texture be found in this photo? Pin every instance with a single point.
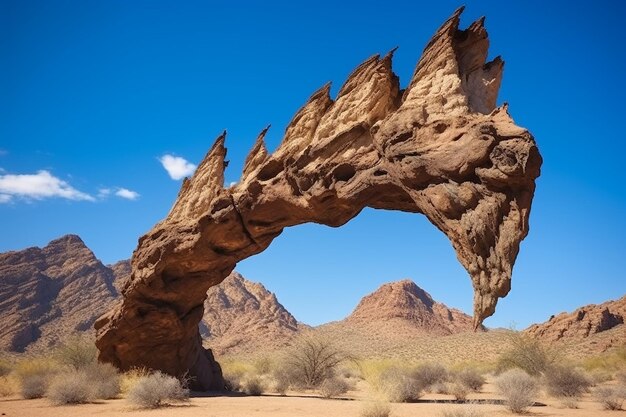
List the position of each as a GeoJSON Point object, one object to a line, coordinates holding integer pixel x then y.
{"type": "Point", "coordinates": [440, 148]}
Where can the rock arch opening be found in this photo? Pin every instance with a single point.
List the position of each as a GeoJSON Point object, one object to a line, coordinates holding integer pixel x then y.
{"type": "Point", "coordinates": [374, 145]}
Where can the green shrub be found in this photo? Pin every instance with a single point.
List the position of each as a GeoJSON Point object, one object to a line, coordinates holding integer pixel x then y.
{"type": "Point", "coordinates": [157, 389]}
{"type": "Point", "coordinates": [518, 389]}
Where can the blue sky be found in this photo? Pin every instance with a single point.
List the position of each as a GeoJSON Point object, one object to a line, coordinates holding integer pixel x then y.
{"type": "Point", "coordinates": [94, 94]}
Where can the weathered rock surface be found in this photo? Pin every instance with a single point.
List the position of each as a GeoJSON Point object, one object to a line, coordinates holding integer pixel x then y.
{"type": "Point", "coordinates": [403, 301]}
{"type": "Point", "coordinates": [585, 323]}
{"type": "Point", "coordinates": [440, 147]}
{"type": "Point", "coordinates": [49, 293]}
{"type": "Point", "coordinates": [242, 317]}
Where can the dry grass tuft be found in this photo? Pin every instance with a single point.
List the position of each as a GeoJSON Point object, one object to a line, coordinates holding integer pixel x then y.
{"type": "Point", "coordinates": [375, 409]}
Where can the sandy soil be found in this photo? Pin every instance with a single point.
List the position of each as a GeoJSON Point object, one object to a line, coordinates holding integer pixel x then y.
{"type": "Point", "coordinates": [292, 405]}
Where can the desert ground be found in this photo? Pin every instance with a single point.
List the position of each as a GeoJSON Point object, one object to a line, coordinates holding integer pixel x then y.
{"type": "Point", "coordinates": [300, 404]}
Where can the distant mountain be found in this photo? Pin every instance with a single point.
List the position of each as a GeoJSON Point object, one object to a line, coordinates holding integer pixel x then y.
{"type": "Point", "coordinates": [241, 316]}
{"type": "Point", "coordinates": [403, 301]}
{"type": "Point", "coordinates": [594, 328]}
{"type": "Point", "coordinates": [48, 293]}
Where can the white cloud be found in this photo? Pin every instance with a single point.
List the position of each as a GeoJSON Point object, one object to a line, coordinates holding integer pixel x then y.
{"type": "Point", "coordinates": [104, 193]}
{"type": "Point", "coordinates": [176, 166]}
{"type": "Point", "coordinates": [4, 198]}
{"type": "Point", "coordinates": [38, 186]}
{"type": "Point", "coordinates": [127, 194]}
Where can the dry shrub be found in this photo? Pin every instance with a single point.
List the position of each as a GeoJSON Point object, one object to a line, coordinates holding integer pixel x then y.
{"type": "Point", "coordinates": [7, 387]}
{"type": "Point", "coordinates": [566, 382]}
{"type": "Point", "coordinates": [104, 380]}
{"type": "Point", "coordinates": [441, 388]}
{"type": "Point", "coordinates": [458, 390]}
{"type": "Point", "coordinates": [518, 389]}
{"type": "Point", "coordinates": [611, 398]}
{"type": "Point", "coordinates": [375, 409]}
{"type": "Point", "coordinates": [130, 378]}
{"type": "Point", "coordinates": [621, 377]}
{"type": "Point", "coordinates": [281, 380]}
{"type": "Point", "coordinates": [5, 368]}
{"type": "Point", "coordinates": [598, 376]}
{"type": "Point", "coordinates": [527, 354]}
{"type": "Point", "coordinates": [263, 365]}
{"type": "Point", "coordinates": [429, 374]}
{"type": "Point", "coordinates": [399, 385]}
{"type": "Point", "coordinates": [157, 389]}
{"type": "Point", "coordinates": [77, 352]}
{"type": "Point", "coordinates": [462, 412]}
{"type": "Point", "coordinates": [33, 376]}
{"type": "Point", "coordinates": [311, 360]}
{"type": "Point", "coordinates": [253, 385]}
{"type": "Point", "coordinates": [470, 378]}
{"type": "Point", "coordinates": [73, 387]}
{"type": "Point", "coordinates": [333, 387]}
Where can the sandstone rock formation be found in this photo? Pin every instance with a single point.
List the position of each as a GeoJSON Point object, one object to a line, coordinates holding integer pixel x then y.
{"type": "Point", "coordinates": [242, 317]}
{"type": "Point", "coordinates": [440, 147]}
{"type": "Point", "coordinates": [405, 302]}
{"type": "Point", "coordinates": [586, 323]}
{"type": "Point", "coordinates": [49, 293]}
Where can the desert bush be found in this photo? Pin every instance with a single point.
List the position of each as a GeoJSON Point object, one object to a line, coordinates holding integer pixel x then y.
{"type": "Point", "coordinates": [130, 378]}
{"type": "Point", "coordinates": [441, 388]}
{"type": "Point", "coordinates": [157, 389]}
{"type": "Point", "coordinates": [375, 409]}
{"type": "Point", "coordinates": [611, 398]}
{"type": "Point", "coordinates": [429, 374]}
{"type": "Point", "coordinates": [311, 360]}
{"type": "Point", "coordinates": [527, 354]}
{"type": "Point", "coordinates": [563, 381]}
{"type": "Point", "coordinates": [598, 376]}
{"type": "Point", "coordinates": [71, 387]}
{"type": "Point", "coordinates": [77, 352]}
{"type": "Point", "coordinates": [458, 390]}
{"type": "Point", "coordinates": [518, 389]}
{"type": "Point", "coordinates": [33, 376]}
{"type": "Point", "coordinates": [253, 385]}
{"type": "Point", "coordinates": [104, 380]}
{"type": "Point", "coordinates": [621, 377]}
{"type": "Point", "coordinates": [5, 368]}
{"type": "Point", "coordinates": [281, 380]}
{"type": "Point", "coordinates": [333, 386]}
{"type": "Point", "coordinates": [470, 378]}
{"type": "Point", "coordinates": [7, 387]}
{"type": "Point", "coordinates": [263, 365]}
{"type": "Point", "coordinates": [461, 412]}
{"type": "Point", "coordinates": [399, 385]}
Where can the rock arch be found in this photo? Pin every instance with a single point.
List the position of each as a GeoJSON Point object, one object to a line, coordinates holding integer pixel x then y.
{"type": "Point", "coordinates": [440, 147]}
